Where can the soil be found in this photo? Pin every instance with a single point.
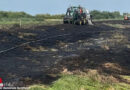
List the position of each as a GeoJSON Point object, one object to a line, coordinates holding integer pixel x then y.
{"type": "Point", "coordinates": [51, 49]}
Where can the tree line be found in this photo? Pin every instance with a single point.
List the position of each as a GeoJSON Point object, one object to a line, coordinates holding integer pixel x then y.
{"type": "Point", "coordinates": [95, 13]}
{"type": "Point", "coordinates": [105, 14]}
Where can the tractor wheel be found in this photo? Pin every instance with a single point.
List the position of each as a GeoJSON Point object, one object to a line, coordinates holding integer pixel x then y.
{"type": "Point", "coordinates": [71, 22]}
{"type": "Point", "coordinates": [65, 22]}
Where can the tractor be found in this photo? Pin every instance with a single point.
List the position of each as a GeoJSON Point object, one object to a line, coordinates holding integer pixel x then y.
{"type": "Point", "coordinates": [77, 15]}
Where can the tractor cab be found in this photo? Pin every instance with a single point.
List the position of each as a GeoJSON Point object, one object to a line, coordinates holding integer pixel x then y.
{"type": "Point", "coordinates": [70, 15]}
{"type": "Point", "coordinates": [70, 11]}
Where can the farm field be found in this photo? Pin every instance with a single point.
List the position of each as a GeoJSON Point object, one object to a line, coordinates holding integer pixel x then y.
{"type": "Point", "coordinates": [51, 55]}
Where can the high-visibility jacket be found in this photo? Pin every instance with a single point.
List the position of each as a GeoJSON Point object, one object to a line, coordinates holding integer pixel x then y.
{"type": "Point", "coordinates": [81, 11]}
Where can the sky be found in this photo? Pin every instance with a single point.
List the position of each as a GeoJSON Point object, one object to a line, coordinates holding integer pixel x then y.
{"type": "Point", "coordinates": [34, 7]}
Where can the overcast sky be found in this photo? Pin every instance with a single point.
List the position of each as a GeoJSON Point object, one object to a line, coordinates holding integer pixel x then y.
{"type": "Point", "coordinates": [59, 6]}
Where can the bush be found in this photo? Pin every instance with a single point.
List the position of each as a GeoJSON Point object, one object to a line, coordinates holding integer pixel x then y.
{"type": "Point", "coordinates": [105, 14]}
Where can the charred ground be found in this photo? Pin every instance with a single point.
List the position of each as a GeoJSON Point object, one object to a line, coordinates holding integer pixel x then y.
{"type": "Point", "coordinates": [65, 48]}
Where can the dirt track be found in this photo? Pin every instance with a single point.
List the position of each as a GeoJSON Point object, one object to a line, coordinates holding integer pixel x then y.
{"type": "Point", "coordinates": [64, 46]}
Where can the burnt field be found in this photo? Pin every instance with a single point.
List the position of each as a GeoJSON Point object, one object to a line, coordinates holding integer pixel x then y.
{"type": "Point", "coordinates": [33, 55]}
